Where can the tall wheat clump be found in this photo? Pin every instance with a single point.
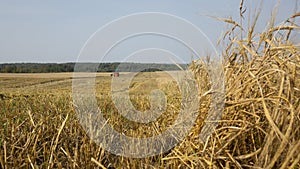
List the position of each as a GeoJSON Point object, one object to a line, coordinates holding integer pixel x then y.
{"type": "Point", "coordinates": [260, 127]}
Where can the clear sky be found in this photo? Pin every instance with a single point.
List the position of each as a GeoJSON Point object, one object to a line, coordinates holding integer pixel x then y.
{"type": "Point", "coordinates": [56, 30]}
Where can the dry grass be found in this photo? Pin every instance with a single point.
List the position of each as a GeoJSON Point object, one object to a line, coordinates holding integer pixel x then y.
{"type": "Point", "coordinates": [259, 127]}
{"type": "Point", "coordinates": [260, 124]}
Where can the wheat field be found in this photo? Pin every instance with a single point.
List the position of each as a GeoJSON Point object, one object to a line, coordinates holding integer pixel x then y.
{"type": "Point", "coordinates": [259, 127]}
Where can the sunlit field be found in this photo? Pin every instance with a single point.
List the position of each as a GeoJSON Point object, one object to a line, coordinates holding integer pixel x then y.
{"type": "Point", "coordinates": [38, 118]}
{"type": "Point", "coordinates": [259, 127]}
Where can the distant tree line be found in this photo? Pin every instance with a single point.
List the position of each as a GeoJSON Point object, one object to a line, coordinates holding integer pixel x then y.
{"type": "Point", "coordinates": [36, 67]}
{"type": "Point", "coordinates": [87, 67]}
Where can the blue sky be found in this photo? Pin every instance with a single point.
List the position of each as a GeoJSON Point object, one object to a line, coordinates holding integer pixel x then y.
{"type": "Point", "coordinates": [55, 31]}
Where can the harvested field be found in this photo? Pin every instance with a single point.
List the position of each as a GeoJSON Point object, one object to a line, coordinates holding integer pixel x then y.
{"type": "Point", "coordinates": [259, 127]}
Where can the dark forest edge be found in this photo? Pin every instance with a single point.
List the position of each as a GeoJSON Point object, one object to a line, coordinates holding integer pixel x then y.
{"type": "Point", "coordinates": [87, 67]}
